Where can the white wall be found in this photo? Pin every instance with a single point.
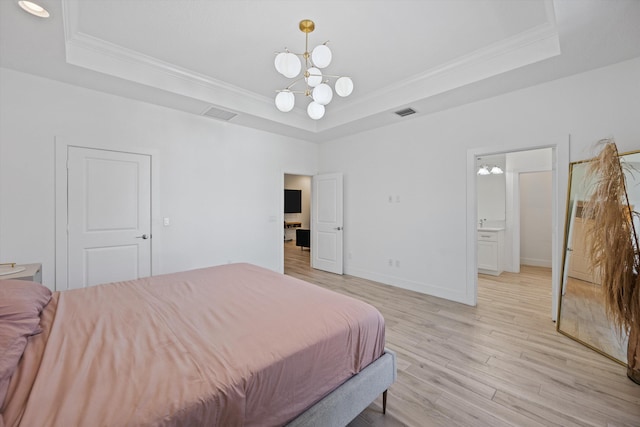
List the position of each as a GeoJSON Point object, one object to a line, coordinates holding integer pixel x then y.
{"type": "Point", "coordinates": [220, 184]}
{"type": "Point", "coordinates": [530, 161]}
{"type": "Point", "coordinates": [535, 218]}
{"type": "Point", "coordinates": [423, 160]}
{"type": "Point", "coordinates": [518, 163]}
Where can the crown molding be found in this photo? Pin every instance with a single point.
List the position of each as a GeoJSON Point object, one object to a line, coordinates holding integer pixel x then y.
{"type": "Point", "coordinates": [537, 44]}
{"type": "Point", "coordinates": [99, 55]}
{"type": "Point", "coordinates": [530, 46]}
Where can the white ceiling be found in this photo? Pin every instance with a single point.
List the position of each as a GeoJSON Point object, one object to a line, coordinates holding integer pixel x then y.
{"type": "Point", "coordinates": [429, 55]}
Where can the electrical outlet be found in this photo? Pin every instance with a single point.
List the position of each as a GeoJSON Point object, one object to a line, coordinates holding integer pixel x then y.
{"type": "Point", "coordinates": [390, 199]}
{"type": "Point", "coordinates": [390, 262]}
{"type": "Point", "coordinates": [398, 263]}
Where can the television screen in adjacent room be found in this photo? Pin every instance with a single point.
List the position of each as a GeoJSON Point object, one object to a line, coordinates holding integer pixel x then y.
{"type": "Point", "coordinates": [292, 201]}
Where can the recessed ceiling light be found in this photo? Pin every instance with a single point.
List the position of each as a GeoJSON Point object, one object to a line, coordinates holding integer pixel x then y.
{"type": "Point", "coordinates": [34, 9]}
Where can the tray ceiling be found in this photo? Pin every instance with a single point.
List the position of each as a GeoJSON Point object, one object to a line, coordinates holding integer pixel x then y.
{"type": "Point", "coordinates": [428, 55]}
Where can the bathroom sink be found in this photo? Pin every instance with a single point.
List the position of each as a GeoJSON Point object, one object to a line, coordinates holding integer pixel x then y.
{"type": "Point", "coordinates": [490, 228]}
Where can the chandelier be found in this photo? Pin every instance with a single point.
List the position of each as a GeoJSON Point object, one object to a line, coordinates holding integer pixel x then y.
{"type": "Point", "coordinates": [289, 65]}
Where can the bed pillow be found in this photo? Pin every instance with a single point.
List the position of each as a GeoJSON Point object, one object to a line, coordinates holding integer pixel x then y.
{"type": "Point", "coordinates": [21, 303]}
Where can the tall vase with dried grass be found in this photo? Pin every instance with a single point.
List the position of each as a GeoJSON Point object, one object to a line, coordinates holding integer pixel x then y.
{"type": "Point", "coordinates": [612, 248]}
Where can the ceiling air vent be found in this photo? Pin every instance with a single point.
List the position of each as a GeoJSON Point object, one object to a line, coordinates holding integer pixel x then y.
{"type": "Point", "coordinates": [405, 112]}
{"type": "Point", "coordinates": [217, 113]}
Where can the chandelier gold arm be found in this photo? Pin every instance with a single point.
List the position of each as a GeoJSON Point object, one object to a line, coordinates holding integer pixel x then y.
{"type": "Point", "coordinates": [305, 76]}
{"type": "Point", "coordinates": [275, 52]}
{"type": "Point", "coordinates": [293, 83]}
{"type": "Point", "coordinates": [302, 92]}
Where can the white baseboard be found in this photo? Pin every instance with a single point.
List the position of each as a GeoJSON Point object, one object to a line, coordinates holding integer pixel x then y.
{"type": "Point", "coordinates": [411, 285]}
{"type": "Point", "coordinates": [535, 262]}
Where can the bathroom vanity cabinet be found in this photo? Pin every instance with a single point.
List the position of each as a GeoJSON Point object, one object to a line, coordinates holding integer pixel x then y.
{"type": "Point", "coordinates": [490, 250]}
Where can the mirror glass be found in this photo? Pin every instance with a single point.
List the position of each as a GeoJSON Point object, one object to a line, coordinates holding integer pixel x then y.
{"type": "Point", "coordinates": [582, 315]}
{"type": "Point", "coordinates": [491, 190]}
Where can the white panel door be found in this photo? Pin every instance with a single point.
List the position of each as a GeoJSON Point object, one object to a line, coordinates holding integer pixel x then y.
{"type": "Point", "coordinates": [109, 216]}
{"type": "Point", "coordinates": [327, 215]}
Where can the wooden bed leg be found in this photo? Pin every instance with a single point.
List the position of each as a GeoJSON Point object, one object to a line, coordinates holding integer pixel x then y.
{"type": "Point", "coordinates": [384, 402]}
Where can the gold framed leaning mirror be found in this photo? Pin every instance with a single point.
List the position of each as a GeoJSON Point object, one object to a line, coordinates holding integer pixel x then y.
{"type": "Point", "coordinates": [581, 312]}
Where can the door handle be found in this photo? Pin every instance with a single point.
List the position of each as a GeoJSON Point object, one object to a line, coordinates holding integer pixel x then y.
{"type": "Point", "coordinates": [338, 228]}
{"type": "Point", "coordinates": [144, 237]}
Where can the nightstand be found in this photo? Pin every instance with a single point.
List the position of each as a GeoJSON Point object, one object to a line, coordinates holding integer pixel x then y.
{"type": "Point", "coordinates": [32, 272]}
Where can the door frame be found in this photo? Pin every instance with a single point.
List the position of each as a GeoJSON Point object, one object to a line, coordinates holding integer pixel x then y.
{"type": "Point", "coordinates": [560, 174]}
{"type": "Point", "coordinates": [61, 255]}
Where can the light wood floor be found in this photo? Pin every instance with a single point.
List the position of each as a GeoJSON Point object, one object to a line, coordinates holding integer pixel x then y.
{"type": "Point", "coordinates": [501, 363]}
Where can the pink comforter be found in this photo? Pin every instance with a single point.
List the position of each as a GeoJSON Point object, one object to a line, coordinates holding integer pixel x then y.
{"type": "Point", "coordinates": [229, 345]}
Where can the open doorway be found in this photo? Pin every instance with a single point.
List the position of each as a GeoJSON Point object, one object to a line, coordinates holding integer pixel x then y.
{"type": "Point", "coordinates": [297, 221]}
{"type": "Point", "coordinates": [527, 275]}
{"type": "Point", "coordinates": [514, 208]}
{"type": "Point", "coordinates": [558, 163]}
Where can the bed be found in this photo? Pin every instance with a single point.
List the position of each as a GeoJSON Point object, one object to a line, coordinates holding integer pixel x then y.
{"type": "Point", "coordinates": [228, 345]}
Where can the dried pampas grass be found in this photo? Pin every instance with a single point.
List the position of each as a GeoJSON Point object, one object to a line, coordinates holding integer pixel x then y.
{"type": "Point", "coordinates": [612, 241]}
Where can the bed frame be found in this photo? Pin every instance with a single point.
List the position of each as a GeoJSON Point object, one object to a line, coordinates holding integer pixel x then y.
{"type": "Point", "coordinates": [343, 404]}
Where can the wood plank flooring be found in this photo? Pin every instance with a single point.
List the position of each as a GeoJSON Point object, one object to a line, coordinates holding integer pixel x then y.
{"type": "Point", "coordinates": [501, 363]}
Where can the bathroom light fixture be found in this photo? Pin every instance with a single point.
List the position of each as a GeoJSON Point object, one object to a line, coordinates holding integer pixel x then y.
{"type": "Point", "coordinates": [490, 170]}
{"type": "Point", "coordinates": [484, 170]}
{"type": "Point", "coordinates": [289, 65]}
{"type": "Point", "coordinates": [33, 8]}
